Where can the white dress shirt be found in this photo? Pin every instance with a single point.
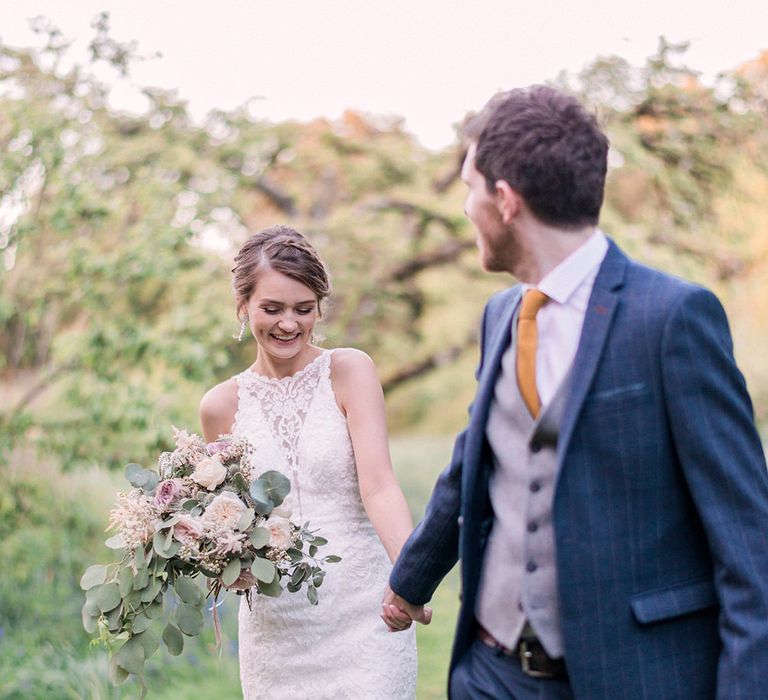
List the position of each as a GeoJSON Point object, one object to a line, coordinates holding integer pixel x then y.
{"type": "Point", "coordinates": [560, 320]}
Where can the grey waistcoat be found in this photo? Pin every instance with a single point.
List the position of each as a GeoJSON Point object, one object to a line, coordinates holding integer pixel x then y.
{"type": "Point", "coordinates": [519, 578]}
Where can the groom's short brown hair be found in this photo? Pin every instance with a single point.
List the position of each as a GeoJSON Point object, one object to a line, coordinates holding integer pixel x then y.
{"type": "Point", "coordinates": [548, 148]}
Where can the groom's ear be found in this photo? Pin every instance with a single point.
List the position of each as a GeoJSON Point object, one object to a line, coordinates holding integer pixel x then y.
{"type": "Point", "coordinates": [508, 201]}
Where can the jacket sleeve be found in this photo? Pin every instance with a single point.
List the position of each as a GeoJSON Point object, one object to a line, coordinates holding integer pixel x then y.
{"type": "Point", "coordinates": [723, 461]}
{"type": "Point", "coordinates": [433, 547]}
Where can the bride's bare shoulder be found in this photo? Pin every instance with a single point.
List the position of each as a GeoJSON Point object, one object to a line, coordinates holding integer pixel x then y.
{"type": "Point", "coordinates": [351, 363]}
{"type": "Point", "coordinates": [353, 372]}
{"type": "Point", "coordinates": [217, 409]}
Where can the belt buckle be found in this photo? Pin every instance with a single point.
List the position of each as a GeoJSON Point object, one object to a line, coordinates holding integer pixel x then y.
{"type": "Point", "coordinates": [525, 662]}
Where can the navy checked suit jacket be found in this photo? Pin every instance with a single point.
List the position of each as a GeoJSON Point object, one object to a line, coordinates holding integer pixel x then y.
{"type": "Point", "coordinates": [660, 508]}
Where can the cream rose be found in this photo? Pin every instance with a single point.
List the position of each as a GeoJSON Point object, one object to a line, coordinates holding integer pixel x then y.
{"type": "Point", "coordinates": [280, 534]}
{"type": "Point", "coordinates": [209, 473]}
{"type": "Point", "coordinates": [224, 511]}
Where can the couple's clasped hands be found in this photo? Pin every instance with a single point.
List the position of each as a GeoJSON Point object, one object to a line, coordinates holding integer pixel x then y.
{"type": "Point", "coordinates": [398, 614]}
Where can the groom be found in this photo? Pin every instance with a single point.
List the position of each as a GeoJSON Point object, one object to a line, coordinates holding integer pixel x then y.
{"type": "Point", "coordinates": [609, 497]}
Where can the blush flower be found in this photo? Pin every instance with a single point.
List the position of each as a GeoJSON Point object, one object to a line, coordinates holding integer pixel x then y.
{"type": "Point", "coordinates": [224, 511]}
{"type": "Point", "coordinates": [209, 473]}
{"type": "Point", "coordinates": [168, 492]}
{"type": "Point", "coordinates": [229, 542]}
{"type": "Point", "coordinates": [280, 532]}
{"type": "Point", "coordinates": [134, 516]}
{"type": "Point", "coordinates": [188, 530]}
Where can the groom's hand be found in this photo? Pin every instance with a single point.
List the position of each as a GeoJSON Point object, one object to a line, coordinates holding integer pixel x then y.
{"type": "Point", "coordinates": [398, 614]}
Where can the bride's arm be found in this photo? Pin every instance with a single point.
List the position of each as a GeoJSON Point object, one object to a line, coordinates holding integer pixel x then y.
{"type": "Point", "coordinates": [217, 410]}
{"type": "Point", "coordinates": [359, 394]}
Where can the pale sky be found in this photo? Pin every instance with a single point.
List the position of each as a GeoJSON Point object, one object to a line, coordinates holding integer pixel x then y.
{"type": "Point", "coordinates": [429, 61]}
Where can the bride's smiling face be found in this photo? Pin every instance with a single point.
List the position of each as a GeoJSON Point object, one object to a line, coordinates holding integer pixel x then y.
{"type": "Point", "coordinates": [282, 313]}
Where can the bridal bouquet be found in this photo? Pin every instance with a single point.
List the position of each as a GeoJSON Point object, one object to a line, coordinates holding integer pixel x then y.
{"type": "Point", "coordinates": [203, 512]}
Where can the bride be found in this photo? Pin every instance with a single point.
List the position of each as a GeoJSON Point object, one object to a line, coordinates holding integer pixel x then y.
{"type": "Point", "coordinates": [318, 417]}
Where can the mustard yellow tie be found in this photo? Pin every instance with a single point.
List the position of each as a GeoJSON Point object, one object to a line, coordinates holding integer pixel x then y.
{"type": "Point", "coordinates": [533, 300]}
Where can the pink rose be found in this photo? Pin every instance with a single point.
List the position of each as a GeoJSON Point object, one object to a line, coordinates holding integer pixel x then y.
{"type": "Point", "coordinates": [216, 446]}
{"type": "Point", "coordinates": [188, 530]}
{"type": "Point", "coordinates": [167, 492]}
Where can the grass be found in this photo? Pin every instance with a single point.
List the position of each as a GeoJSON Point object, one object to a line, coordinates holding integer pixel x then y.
{"type": "Point", "coordinates": [418, 461]}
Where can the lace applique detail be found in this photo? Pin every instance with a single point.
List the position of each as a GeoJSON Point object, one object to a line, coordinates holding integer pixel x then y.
{"type": "Point", "coordinates": [284, 404]}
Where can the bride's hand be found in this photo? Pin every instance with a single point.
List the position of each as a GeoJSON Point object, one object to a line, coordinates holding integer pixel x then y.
{"type": "Point", "coordinates": [398, 614]}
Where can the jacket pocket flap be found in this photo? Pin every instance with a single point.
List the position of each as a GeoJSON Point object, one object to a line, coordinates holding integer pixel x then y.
{"type": "Point", "coordinates": [673, 601]}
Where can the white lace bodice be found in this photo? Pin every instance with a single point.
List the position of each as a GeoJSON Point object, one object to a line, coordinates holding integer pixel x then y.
{"type": "Point", "coordinates": [289, 649]}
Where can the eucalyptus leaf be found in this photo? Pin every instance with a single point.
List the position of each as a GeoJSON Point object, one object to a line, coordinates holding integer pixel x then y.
{"type": "Point", "coordinates": [259, 537]}
{"type": "Point", "coordinates": [261, 501]}
{"type": "Point", "coordinates": [152, 589]}
{"type": "Point", "coordinates": [114, 619]}
{"type": "Point", "coordinates": [312, 594]}
{"type": "Point", "coordinates": [188, 590]}
{"type": "Point", "coordinates": [295, 554]}
{"type": "Point", "coordinates": [125, 580]}
{"type": "Point", "coordinates": [134, 472]}
{"type": "Point", "coordinates": [189, 619]}
{"type": "Point", "coordinates": [231, 572]}
{"type": "Point", "coordinates": [332, 559]}
{"type": "Point", "coordinates": [140, 623]}
{"type": "Point", "coordinates": [133, 599]}
{"type": "Point", "coordinates": [239, 482]}
{"type": "Point", "coordinates": [173, 639]}
{"type": "Point", "coordinates": [116, 541]}
{"type": "Point", "coordinates": [150, 483]}
{"type": "Point", "coordinates": [140, 557]}
{"type": "Point", "coordinates": [319, 541]}
{"type": "Point", "coordinates": [278, 486]}
{"type": "Point", "coordinates": [190, 503]}
{"type": "Point", "coordinates": [130, 656]}
{"type": "Point", "coordinates": [164, 545]}
{"type": "Point", "coordinates": [108, 597]}
{"type": "Point", "coordinates": [141, 580]}
{"type": "Point", "coordinates": [94, 575]}
{"type": "Point", "coordinates": [117, 674]}
{"type": "Point", "coordinates": [246, 519]}
{"type": "Point", "coordinates": [273, 589]}
{"type": "Point", "coordinates": [154, 609]}
{"type": "Point", "coordinates": [149, 641]}
{"type": "Point", "coordinates": [263, 569]}
{"type": "Point", "coordinates": [299, 575]}
{"type": "Point", "coordinates": [91, 606]}
{"type": "Point", "coordinates": [90, 621]}
{"type": "Point", "coordinates": [91, 595]}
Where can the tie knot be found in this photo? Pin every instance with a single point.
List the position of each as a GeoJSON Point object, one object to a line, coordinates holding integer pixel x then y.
{"type": "Point", "coordinates": [533, 300]}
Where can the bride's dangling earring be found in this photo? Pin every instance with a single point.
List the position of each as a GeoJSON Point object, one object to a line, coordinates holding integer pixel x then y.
{"type": "Point", "coordinates": [239, 336]}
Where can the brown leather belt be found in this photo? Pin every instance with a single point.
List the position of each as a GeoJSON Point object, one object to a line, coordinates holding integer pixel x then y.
{"type": "Point", "coordinates": [534, 660]}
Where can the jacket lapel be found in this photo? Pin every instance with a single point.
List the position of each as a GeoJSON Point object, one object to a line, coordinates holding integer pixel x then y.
{"type": "Point", "coordinates": [594, 334]}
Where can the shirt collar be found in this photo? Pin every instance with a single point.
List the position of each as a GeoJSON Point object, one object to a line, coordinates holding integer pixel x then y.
{"type": "Point", "coordinates": [562, 281]}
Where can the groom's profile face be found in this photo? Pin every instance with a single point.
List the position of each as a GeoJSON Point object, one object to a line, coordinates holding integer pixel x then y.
{"type": "Point", "coordinates": [482, 210]}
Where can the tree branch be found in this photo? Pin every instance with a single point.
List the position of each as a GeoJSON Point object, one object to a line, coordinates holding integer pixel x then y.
{"type": "Point", "coordinates": [438, 359]}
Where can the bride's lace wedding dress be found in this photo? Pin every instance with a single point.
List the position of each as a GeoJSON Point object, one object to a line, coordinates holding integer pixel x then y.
{"type": "Point", "coordinates": [339, 648]}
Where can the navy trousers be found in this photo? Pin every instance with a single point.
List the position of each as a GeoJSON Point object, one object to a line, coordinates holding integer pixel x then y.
{"type": "Point", "coordinates": [484, 673]}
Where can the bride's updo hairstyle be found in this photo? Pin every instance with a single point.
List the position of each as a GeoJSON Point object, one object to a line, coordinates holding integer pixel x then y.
{"type": "Point", "coordinates": [284, 250]}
